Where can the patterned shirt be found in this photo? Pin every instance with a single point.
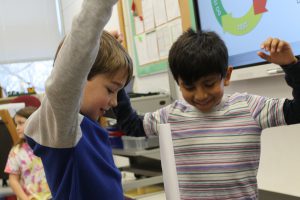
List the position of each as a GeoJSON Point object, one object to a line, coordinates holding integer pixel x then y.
{"type": "Point", "coordinates": [217, 153]}
{"type": "Point", "coordinates": [21, 161]}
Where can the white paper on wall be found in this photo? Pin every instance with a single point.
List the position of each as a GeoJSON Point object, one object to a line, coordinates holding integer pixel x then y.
{"type": "Point", "coordinates": [152, 47]}
{"type": "Point", "coordinates": [148, 15]}
{"type": "Point", "coordinates": [139, 25]}
{"type": "Point", "coordinates": [164, 40]}
{"type": "Point", "coordinates": [173, 9]}
{"type": "Point", "coordinates": [141, 48]}
{"type": "Point", "coordinates": [160, 13]}
{"type": "Point", "coordinates": [176, 28]}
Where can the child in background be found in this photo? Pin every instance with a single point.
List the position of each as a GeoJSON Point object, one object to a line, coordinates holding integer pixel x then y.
{"type": "Point", "coordinates": [216, 137]}
{"type": "Point", "coordinates": [90, 68]}
{"type": "Point", "coordinates": [26, 173]}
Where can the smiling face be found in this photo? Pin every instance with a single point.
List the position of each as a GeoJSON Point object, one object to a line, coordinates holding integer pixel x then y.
{"type": "Point", "coordinates": [207, 92]}
{"type": "Point", "coordinates": [100, 94]}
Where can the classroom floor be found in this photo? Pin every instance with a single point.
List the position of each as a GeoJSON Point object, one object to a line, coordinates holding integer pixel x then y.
{"type": "Point", "coordinates": [264, 195]}
{"type": "Point", "coordinates": [6, 191]}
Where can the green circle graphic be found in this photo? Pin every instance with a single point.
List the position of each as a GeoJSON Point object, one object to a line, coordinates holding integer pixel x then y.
{"type": "Point", "coordinates": [236, 26]}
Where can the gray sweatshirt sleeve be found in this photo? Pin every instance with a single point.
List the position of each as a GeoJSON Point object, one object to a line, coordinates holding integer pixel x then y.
{"type": "Point", "coordinates": [57, 122]}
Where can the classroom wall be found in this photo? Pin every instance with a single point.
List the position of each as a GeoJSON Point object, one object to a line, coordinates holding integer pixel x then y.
{"type": "Point", "coordinates": [144, 84]}
{"type": "Point", "coordinates": [280, 161]}
{"type": "Point", "coordinates": [72, 7]}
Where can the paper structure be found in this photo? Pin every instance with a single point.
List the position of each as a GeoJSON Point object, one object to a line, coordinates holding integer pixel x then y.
{"type": "Point", "coordinates": [168, 162]}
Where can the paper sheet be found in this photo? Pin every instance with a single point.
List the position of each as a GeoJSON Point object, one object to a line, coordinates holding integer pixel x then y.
{"type": "Point", "coordinates": [141, 48]}
{"type": "Point", "coordinates": [164, 41]}
{"type": "Point", "coordinates": [139, 25]}
{"type": "Point", "coordinates": [160, 14]}
{"type": "Point", "coordinates": [148, 15]}
{"type": "Point", "coordinates": [176, 29]}
{"type": "Point", "coordinates": [152, 47]}
{"type": "Point", "coordinates": [168, 162]}
{"type": "Point", "coordinates": [173, 9]}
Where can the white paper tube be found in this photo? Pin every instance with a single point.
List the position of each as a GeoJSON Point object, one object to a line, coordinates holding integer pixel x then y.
{"type": "Point", "coordinates": [168, 162]}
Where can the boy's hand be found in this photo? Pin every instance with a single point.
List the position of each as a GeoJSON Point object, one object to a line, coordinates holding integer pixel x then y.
{"type": "Point", "coordinates": [280, 52]}
{"type": "Point", "coordinates": [119, 36]}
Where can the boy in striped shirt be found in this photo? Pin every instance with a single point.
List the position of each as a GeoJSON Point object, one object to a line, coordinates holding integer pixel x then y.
{"type": "Point", "coordinates": [216, 137]}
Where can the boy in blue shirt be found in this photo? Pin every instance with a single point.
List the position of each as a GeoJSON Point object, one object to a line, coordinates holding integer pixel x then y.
{"type": "Point", "coordinates": [216, 136]}
{"type": "Point", "coordinates": [90, 68]}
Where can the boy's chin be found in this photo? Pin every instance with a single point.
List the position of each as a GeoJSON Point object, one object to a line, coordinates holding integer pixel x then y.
{"type": "Point", "coordinates": [205, 110]}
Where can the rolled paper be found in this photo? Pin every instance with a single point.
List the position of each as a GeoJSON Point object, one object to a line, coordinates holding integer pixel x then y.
{"type": "Point", "coordinates": [168, 162]}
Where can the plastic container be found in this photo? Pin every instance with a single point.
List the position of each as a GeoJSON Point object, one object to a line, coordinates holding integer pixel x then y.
{"type": "Point", "coordinates": [115, 138]}
{"type": "Point", "coordinates": [140, 143]}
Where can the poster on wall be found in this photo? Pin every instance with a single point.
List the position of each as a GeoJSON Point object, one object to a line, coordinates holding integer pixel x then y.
{"type": "Point", "coordinates": [244, 25]}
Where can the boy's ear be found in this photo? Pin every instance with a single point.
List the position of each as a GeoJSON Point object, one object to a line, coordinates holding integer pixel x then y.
{"type": "Point", "coordinates": [228, 75]}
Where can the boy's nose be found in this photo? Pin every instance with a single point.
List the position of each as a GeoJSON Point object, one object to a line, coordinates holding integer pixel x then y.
{"type": "Point", "coordinates": [113, 101]}
{"type": "Point", "coordinates": [200, 94]}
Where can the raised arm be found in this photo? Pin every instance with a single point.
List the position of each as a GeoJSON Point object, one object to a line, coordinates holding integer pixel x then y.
{"type": "Point", "coordinates": [56, 123]}
{"type": "Point", "coordinates": [280, 52]}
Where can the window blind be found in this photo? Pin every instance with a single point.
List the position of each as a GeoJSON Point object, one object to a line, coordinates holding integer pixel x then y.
{"type": "Point", "coordinates": [30, 30]}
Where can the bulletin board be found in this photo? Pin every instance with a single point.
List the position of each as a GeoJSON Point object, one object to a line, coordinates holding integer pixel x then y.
{"type": "Point", "coordinates": [154, 28]}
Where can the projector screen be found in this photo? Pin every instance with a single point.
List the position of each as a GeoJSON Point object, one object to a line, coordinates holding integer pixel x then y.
{"type": "Point", "coordinates": [244, 25]}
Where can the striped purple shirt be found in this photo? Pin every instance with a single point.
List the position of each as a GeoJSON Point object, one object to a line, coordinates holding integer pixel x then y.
{"type": "Point", "coordinates": [217, 153]}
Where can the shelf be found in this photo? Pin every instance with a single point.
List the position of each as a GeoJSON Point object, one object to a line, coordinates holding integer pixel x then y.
{"type": "Point", "coordinates": [142, 182]}
{"type": "Point", "coordinates": [139, 171]}
{"type": "Point", "coordinates": [151, 153]}
{"type": "Point", "coordinates": [145, 163]}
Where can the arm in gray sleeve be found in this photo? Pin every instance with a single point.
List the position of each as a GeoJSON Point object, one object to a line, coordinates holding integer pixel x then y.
{"type": "Point", "coordinates": [57, 122]}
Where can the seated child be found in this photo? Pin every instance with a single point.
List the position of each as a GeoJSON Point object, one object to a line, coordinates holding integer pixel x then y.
{"type": "Point", "coordinates": [216, 137]}
{"type": "Point", "coordinates": [26, 173]}
{"type": "Point", "coordinates": [91, 66]}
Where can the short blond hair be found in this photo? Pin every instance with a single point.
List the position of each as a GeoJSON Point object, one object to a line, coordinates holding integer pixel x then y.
{"type": "Point", "coordinates": [111, 58]}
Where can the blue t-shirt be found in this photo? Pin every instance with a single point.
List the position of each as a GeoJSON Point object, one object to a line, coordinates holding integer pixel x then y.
{"type": "Point", "coordinates": [86, 171]}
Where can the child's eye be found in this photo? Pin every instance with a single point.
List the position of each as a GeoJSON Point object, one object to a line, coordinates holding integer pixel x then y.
{"type": "Point", "coordinates": [189, 87]}
{"type": "Point", "coordinates": [210, 84]}
{"type": "Point", "coordinates": [20, 123]}
{"type": "Point", "coordinates": [110, 91]}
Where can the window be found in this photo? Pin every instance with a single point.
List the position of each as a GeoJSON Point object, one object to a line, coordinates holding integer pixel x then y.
{"type": "Point", "coordinates": [30, 30]}
{"type": "Point", "coordinates": [17, 77]}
